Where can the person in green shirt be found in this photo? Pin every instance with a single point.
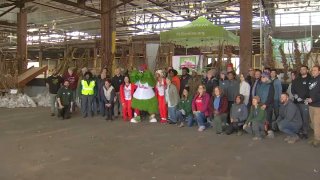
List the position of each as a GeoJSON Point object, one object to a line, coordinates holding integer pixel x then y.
{"type": "Point", "coordinates": [184, 109]}
{"type": "Point", "coordinates": [255, 123]}
{"type": "Point", "coordinates": [65, 100]}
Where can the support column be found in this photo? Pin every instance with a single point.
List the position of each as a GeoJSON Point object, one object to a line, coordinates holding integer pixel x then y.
{"type": "Point", "coordinates": [245, 35]}
{"type": "Point", "coordinates": [22, 40]}
{"type": "Point", "coordinates": [107, 27]}
{"type": "Point", "coordinates": [41, 57]}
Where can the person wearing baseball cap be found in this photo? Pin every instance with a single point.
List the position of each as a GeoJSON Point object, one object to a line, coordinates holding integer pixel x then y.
{"type": "Point", "coordinates": [265, 91]}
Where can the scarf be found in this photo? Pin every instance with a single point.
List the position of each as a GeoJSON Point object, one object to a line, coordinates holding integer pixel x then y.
{"type": "Point", "coordinates": [107, 92]}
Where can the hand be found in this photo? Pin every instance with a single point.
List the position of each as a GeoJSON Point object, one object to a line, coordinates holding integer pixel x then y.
{"type": "Point", "coordinates": [216, 112]}
{"type": "Point", "coordinates": [309, 100]}
{"type": "Point", "coordinates": [299, 99]}
{"type": "Point", "coordinates": [61, 107]}
{"type": "Point", "coordinates": [296, 96]}
{"type": "Point", "coordinates": [264, 107]}
{"type": "Point", "coordinates": [195, 112]}
{"type": "Point", "coordinates": [71, 109]}
{"type": "Point", "coordinates": [245, 126]}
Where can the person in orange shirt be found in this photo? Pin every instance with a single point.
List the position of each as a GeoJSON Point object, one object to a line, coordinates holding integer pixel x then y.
{"type": "Point", "coordinates": [175, 79]}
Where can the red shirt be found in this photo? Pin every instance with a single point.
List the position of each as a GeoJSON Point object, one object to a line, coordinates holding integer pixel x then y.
{"type": "Point", "coordinates": [176, 81]}
{"type": "Point", "coordinates": [199, 103]}
{"type": "Point", "coordinates": [73, 80]}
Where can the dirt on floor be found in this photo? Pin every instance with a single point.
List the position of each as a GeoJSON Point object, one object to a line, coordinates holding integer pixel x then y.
{"type": "Point", "coordinates": [36, 146]}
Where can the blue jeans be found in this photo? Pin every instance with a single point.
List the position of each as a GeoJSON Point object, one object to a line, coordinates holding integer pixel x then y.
{"type": "Point", "coordinates": [201, 119]}
{"type": "Point", "coordinates": [288, 127]}
{"type": "Point", "coordinates": [172, 114]}
{"type": "Point", "coordinates": [180, 117]}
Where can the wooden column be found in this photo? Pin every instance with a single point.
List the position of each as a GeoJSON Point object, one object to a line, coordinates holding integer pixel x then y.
{"type": "Point", "coordinates": [40, 56]}
{"type": "Point", "coordinates": [107, 27]}
{"type": "Point", "coordinates": [245, 35]}
{"type": "Point", "coordinates": [22, 40]}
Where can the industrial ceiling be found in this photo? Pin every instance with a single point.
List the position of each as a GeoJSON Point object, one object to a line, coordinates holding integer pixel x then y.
{"type": "Point", "coordinates": [133, 17]}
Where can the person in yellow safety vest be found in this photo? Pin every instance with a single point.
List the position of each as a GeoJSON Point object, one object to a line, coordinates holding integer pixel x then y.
{"type": "Point", "coordinates": [88, 91]}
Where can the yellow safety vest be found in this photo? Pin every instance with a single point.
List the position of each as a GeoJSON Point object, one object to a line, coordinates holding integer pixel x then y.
{"type": "Point", "coordinates": [87, 89]}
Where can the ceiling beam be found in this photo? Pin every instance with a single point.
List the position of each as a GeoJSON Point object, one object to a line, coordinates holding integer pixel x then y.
{"type": "Point", "coordinates": [166, 8]}
{"type": "Point", "coordinates": [80, 6]}
{"type": "Point", "coordinates": [7, 11]}
{"type": "Point", "coordinates": [73, 12]}
{"type": "Point", "coordinates": [4, 5]}
{"type": "Point", "coordinates": [124, 2]}
{"type": "Point", "coordinates": [6, 23]}
{"type": "Point", "coordinates": [146, 10]}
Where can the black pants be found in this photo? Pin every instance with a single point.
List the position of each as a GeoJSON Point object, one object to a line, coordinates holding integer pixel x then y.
{"type": "Point", "coordinates": [233, 127]}
{"type": "Point", "coordinates": [64, 113]}
{"type": "Point", "coordinates": [269, 113]}
{"type": "Point", "coordinates": [229, 108]}
{"type": "Point", "coordinates": [109, 112]}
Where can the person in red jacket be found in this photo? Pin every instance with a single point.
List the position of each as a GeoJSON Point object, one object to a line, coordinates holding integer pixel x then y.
{"type": "Point", "coordinates": [73, 78]}
{"type": "Point", "coordinates": [219, 109]}
{"type": "Point", "coordinates": [200, 107]}
{"type": "Point", "coordinates": [175, 79]}
{"type": "Point", "coordinates": [126, 93]}
{"type": "Point", "coordinates": [160, 94]}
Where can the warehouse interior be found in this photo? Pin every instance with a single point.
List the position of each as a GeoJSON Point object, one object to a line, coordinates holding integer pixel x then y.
{"type": "Point", "coordinates": [40, 36]}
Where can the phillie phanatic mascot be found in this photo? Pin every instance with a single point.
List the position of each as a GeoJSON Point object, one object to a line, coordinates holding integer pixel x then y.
{"type": "Point", "coordinates": [144, 98]}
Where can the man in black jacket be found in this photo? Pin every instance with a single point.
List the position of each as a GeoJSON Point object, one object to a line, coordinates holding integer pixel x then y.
{"type": "Point", "coordinates": [116, 81]}
{"type": "Point", "coordinates": [314, 104]}
{"type": "Point", "coordinates": [300, 92]}
{"type": "Point", "coordinates": [184, 79]}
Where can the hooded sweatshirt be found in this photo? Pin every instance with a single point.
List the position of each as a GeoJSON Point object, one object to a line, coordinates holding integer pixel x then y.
{"type": "Point", "coordinates": [314, 87]}
{"type": "Point", "coordinates": [300, 87]}
{"type": "Point", "coordinates": [239, 112]}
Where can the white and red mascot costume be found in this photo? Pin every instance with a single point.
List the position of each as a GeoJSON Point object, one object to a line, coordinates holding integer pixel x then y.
{"type": "Point", "coordinates": [160, 93]}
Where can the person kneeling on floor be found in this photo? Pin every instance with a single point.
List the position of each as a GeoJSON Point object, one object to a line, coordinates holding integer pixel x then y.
{"type": "Point", "coordinates": [219, 109]}
{"type": "Point", "coordinates": [255, 123]}
{"type": "Point", "coordinates": [184, 110]}
{"type": "Point", "coordinates": [289, 120]}
{"type": "Point", "coordinates": [65, 100]}
{"type": "Point", "coordinates": [238, 115]}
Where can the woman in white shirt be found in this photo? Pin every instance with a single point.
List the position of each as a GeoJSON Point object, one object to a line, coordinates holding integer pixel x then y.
{"type": "Point", "coordinates": [244, 89]}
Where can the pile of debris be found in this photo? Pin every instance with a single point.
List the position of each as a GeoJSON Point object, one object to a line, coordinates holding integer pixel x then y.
{"type": "Point", "coordinates": [16, 101]}
{"type": "Point", "coordinates": [43, 100]}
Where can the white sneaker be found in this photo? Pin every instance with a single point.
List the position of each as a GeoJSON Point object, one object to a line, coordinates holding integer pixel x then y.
{"type": "Point", "coordinates": [153, 120]}
{"type": "Point", "coordinates": [201, 128]}
{"type": "Point", "coordinates": [287, 138]}
{"type": "Point", "coordinates": [270, 134]}
{"type": "Point", "coordinates": [256, 138]}
{"type": "Point", "coordinates": [133, 120]}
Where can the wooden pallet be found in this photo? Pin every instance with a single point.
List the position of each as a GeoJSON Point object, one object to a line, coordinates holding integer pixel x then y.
{"type": "Point", "coordinates": [30, 74]}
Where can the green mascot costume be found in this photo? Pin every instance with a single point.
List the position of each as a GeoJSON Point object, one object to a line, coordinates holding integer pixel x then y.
{"type": "Point", "coordinates": [144, 98]}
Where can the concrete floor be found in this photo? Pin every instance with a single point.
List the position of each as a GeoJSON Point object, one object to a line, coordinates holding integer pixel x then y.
{"type": "Point", "coordinates": [35, 146]}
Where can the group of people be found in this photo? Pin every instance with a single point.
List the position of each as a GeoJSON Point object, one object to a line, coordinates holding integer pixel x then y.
{"type": "Point", "coordinates": [254, 102]}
